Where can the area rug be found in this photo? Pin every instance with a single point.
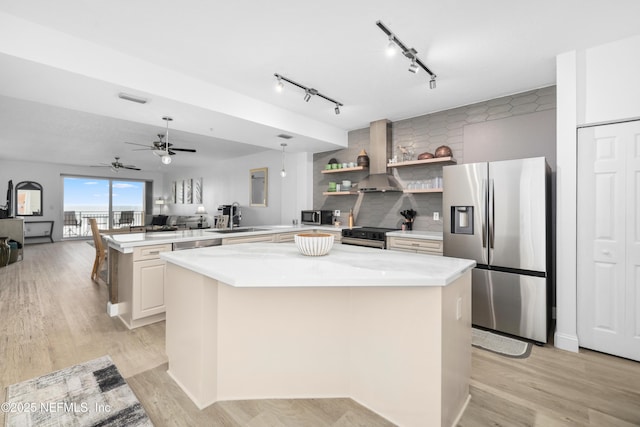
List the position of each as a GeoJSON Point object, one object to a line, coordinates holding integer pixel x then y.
{"type": "Point", "coordinates": [90, 394]}
{"type": "Point", "coordinates": [500, 344]}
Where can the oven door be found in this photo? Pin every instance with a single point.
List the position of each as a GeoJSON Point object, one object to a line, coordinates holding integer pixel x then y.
{"type": "Point", "coordinates": [380, 244]}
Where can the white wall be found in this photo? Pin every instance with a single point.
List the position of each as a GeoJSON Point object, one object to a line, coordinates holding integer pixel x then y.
{"type": "Point", "coordinates": [594, 85]}
{"type": "Point", "coordinates": [49, 176]}
{"type": "Point", "coordinates": [225, 182]}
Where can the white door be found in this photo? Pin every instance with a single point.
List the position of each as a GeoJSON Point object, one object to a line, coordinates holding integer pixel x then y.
{"type": "Point", "coordinates": [608, 232]}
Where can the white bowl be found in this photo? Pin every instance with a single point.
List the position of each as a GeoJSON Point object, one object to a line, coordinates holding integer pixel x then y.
{"type": "Point", "coordinates": [314, 244]}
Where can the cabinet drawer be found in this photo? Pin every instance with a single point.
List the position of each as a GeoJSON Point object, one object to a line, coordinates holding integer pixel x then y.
{"type": "Point", "coordinates": [417, 245]}
{"type": "Point", "coordinates": [249, 239]}
{"type": "Point", "coordinates": [143, 253]}
{"type": "Point", "coordinates": [285, 237]}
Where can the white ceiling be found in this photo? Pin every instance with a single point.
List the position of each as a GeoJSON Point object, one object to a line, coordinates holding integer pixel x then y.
{"type": "Point", "coordinates": [210, 65]}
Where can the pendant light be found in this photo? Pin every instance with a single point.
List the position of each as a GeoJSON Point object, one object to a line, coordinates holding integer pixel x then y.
{"type": "Point", "coordinates": [283, 172]}
{"type": "Point", "coordinates": [166, 157]}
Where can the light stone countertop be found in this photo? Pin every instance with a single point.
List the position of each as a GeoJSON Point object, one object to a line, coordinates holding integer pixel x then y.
{"type": "Point", "coordinates": [282, 265]}
{"type": "Point", "coordinates": [417, 234]}
{"type": "Point", "coordinates": [125, 242]}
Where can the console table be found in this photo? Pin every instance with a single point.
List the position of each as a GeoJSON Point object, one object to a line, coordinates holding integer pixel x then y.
{"type": "Point", "coordinates": [48, 233]}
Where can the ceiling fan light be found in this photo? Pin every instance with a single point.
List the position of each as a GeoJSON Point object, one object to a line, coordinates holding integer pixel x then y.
{"type": "Point", "coordinates": [166, 159]}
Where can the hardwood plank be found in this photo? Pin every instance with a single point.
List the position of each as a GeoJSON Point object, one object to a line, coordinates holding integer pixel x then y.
{"type": "Point", "coordinates": [53, 316]}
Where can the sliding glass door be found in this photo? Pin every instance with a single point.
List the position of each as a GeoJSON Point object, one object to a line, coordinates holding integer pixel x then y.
{"type": "Point", "coordinates": [113, 203]}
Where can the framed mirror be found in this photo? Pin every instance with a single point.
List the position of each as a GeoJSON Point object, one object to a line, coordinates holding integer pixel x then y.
{"type": "Point", "coordinates": [258, 187]}
{"type": "Point", "coordinates": [28, 199]}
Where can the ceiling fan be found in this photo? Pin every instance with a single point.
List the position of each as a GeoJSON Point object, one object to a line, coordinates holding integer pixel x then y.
{"type": "Point", "coordinates": [163, 148]}
{"type": "Point", "coordinates": [116, 165]}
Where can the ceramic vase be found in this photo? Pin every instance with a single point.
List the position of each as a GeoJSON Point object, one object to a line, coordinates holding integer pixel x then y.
{"type": "Point", "coordinates": [363, 159]}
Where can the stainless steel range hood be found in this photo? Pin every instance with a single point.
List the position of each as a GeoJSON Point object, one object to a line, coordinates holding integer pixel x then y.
{"type": "Point", "coordinates": [379, 151]}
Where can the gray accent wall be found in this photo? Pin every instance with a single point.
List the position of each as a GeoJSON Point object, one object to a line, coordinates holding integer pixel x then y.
{"type": "Point", "coordinates": [516, 126]}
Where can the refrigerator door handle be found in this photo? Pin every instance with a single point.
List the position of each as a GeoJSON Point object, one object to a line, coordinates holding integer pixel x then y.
{"type": "Point", "coordinates": [484, 213]}
{"type": "Point", "coordinates": [492, 215]}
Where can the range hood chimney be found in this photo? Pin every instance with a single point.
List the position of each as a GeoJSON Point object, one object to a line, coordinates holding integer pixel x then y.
{"type": "Point", "coordinates": [379, 180]}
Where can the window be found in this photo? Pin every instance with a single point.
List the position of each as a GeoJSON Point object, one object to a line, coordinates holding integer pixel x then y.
{"type": "Point", "coordinates": [113, 203]}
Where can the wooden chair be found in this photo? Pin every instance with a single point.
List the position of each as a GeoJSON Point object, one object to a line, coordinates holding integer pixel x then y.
{"type": "Point", "coordinates": [101, 251]}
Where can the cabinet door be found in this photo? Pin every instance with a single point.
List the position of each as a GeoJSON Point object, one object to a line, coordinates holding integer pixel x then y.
{"type": "Point", "coordinates": [148, 288]}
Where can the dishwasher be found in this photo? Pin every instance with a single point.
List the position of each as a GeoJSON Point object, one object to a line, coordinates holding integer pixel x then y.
{"type": "Point", "coordinates": [192, 244]}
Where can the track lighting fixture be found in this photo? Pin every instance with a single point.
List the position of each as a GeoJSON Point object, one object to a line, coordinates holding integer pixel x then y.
{"type": "Point", "coordinates": [283, 172]}
{"type": "Point", "coordinates": [279, 85]}
{"type": "Point", "coordinates": [309, 92]}
{"type": "Point", "coordinates": [410, 53]}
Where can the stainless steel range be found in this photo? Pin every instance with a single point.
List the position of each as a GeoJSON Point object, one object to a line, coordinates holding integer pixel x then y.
{"type": "Point", "coordinates": [374, 237]}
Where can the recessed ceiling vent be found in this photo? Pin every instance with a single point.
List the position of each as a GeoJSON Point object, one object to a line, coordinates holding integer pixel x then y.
{"type": "Point", "coordinates": [284, 136]}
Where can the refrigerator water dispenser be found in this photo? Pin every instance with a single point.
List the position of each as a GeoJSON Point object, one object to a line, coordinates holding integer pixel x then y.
{"type": "Point", "coordinates": [461, 219]}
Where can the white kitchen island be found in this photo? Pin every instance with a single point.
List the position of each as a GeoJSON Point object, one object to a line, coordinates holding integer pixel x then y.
{"type": "Point", "coordinates": [259, 320]}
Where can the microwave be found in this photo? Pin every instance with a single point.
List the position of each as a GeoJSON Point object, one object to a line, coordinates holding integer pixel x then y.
{"type": "Point", "coordinates": [318, 217]}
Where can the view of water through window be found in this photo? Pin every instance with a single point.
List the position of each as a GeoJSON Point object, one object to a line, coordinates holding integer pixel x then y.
{"type": "Point", "coordinates": [113, 203]}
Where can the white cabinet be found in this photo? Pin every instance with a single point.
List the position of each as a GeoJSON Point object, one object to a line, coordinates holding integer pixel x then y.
{"type": "Point", "coordinates": [141, 286]}
{"type": "Point", "coordinates": [420, 246]}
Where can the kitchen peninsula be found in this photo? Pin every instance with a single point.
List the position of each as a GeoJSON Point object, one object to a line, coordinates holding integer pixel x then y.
{"type": "Point", "coordinates": [259, 320]}
{"type": "Point", "coordinates": [136, 272]}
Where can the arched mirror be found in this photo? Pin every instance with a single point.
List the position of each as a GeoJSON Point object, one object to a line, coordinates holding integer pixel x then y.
{"type": "Point", "coordinates": [258, 187]}
{"type": "Point", "coordinates": [28, 199]}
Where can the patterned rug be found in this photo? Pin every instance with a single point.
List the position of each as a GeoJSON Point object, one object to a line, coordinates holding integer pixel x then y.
{"type": "Point", "coordinates": [500, 344]}
{"type": "Point", "coordinates": [90, 394]}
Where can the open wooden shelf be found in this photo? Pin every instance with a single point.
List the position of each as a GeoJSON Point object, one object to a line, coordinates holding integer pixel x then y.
{"type": "Point", "coordinates": [425, 190]}
{"type": "Point", "coordinates": [339, 193]}
{"type": "Point", "coordinates": [353, 169]}
{"type": "Point", "coordinates": [444, 160]}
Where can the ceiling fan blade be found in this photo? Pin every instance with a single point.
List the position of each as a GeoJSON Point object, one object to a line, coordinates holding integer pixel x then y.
{"type": "Point", "coordinates": [135, 143]}
{"type": "Point", "coordinates": [130, 167]}
{"type": "Point", "coordinates": [187, 150]}
{"type": "Point", "coordinates": [143, 149]}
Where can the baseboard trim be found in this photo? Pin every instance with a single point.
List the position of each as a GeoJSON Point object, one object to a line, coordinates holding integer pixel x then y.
{"type": "Point", "coordinates": [566, 342]}
{"type": "Point", "coordinates": [112, 309]}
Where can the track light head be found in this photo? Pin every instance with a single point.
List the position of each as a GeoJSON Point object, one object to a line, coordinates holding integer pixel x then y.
{"type": "Point", "coordinates": [413, 67]}
{"type": "Point", "coordinates": [337, 109]}
{"type": "Point", "coordinates": [279, 85]}
{"type": "Point", "coordinates": [307, 96]}
{"type": "Point", "coordinates": [391, 47]}
{"type": "Point", "coordinates": [432, 82]}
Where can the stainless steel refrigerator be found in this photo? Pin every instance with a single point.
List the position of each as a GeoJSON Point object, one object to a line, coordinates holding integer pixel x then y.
{"type": "Point", "coordinates": [497, 214]}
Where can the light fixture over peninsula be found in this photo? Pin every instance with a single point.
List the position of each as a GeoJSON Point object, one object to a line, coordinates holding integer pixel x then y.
{"type": "Point", "coordinates": [308, 91]}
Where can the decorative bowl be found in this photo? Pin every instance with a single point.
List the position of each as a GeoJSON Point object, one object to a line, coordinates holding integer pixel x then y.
{"type": "Point", "coordinates": [314, 244]}
{"type": "Point", "coordinates": [443, 151]}
{"type": "Point", "coordinates": [424, 156]}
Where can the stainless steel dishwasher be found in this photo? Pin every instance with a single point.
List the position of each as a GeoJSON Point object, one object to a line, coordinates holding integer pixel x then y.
{"type": "Point", "coordinates": [180, 246]}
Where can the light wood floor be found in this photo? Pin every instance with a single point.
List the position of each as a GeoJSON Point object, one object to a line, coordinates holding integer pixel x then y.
{"type": "Point", "coordinates": [53, 316]}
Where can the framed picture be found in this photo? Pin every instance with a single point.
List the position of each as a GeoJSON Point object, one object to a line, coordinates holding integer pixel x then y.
{"type": "Point", "coordinates": [188, 191]}
{"type": "Point", "coordinates": [197, 191]}
{"type": "Point", "coordinates": [172, 195]}
{"type": "Point", "coordinates": [180, 192]}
